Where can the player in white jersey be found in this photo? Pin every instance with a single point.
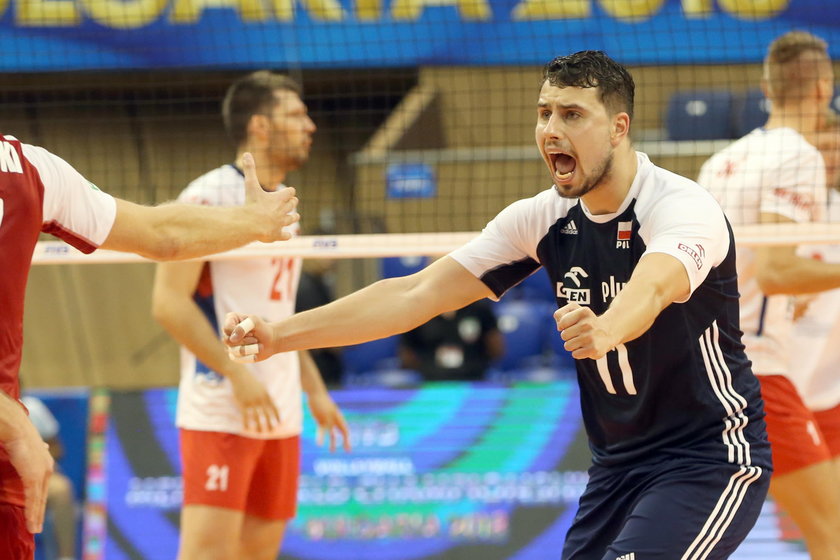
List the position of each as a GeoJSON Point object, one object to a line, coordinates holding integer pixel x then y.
{"type": "Point", "coordinates": [40, 192]}
{"type": "Point", "coordinates": [643, 264]}
{"type": "Point", "coordinates": [774, 175]}
{"type": "Point", "coordinates": [240, 424]}
{"type": "Point", "coordinates": [816, 332]}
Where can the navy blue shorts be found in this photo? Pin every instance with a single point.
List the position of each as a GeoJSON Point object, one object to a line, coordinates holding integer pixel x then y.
{"type": "Point", "coordinates": [676, 509]}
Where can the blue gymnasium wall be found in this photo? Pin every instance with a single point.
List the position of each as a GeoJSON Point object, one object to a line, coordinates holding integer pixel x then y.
{"type": "Point", "coordinates": [45, 35]}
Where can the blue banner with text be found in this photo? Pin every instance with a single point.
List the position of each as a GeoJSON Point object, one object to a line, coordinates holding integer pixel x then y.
{"type": "Point", "coordinates": [50, 35]}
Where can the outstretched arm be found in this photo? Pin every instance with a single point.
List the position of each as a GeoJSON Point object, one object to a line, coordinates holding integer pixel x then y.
{"type": "Point", "coordinates": [658, 280]}
{"type": "Point", "coordinates": [387, 307]}
{"type": "Point", "coordinates": [30, 457]}
{"type": "Point", "coordinates": [182, 231]}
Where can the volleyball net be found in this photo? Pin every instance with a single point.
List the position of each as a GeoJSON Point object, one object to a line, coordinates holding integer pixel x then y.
{"type": "Point", "coordinates": [425, 112]}
{"type": "Point", "coordinates": [425, 109]}
{"type": "Point", "coordinates": [410, 245]}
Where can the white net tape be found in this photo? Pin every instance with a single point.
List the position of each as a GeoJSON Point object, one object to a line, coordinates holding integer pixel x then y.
{"type": "Point", "coordinates": [410, 244]}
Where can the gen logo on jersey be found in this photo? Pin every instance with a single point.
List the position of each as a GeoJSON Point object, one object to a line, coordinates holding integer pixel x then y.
{"type": "Point", "coordinates": [575, 294]}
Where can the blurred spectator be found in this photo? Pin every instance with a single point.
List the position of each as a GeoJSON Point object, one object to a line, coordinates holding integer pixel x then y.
{"type": "Point", "coordinates": [457, 345]}
{"type": "Point", "coordinates": [316, 289]}
{"type": "Point", "coordinates": [58, 541]}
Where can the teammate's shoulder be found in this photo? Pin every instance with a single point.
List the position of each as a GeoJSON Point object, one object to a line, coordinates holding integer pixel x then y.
{"type": "Point", "coordinates": [37, 152]}
{"type": "Point", "coordinates": [215, 181]}
{"type": "Point", "coordinates": [775, 144]}
{"type": "Point", "coordinates": [220, 176]}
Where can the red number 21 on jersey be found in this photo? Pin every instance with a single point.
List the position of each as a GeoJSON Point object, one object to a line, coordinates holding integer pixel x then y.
{"type": "Point", "coordinates": [281, 288]}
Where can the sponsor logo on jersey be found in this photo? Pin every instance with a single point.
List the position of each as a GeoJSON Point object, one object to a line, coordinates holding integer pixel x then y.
{"type": "Point", "coordinates": [570, 228]}
{"type": "Point", "coordinates": [571, 288]}
{"type": "Point", "coordinates": [622, 238]}
{"type": "Point", "coordinates": [696, 254]}
{"type": "Point", "coordinates": [798, 199]}
{"type": "Point", "coordinates": [610, 289]}
{"type": "Point", "coordinates": [9, 159]}
{"type": "Point", "coordinates": [631, 556]}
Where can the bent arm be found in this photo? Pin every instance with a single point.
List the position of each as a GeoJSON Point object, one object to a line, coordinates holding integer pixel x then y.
{"type": "Point", "coordinates": [657, 281]}
{"type": "Point", "coordinates": [30, 457]}
{"type": "Point", "coordinates": [387, 307]}
{"type": "Point", "coordinates": [175, 310]}
{"type": "Point", "coordinates": [779, 270]}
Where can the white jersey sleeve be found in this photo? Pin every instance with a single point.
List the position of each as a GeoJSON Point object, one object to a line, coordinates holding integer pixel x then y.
{"type": "Point", "coordinates": [74, 208]}
{"type": "Point", "coordinates": [772, 171]}
{"type": "Point", "coordinates": [506, 251]}
{"type": "Point", "coordinates": [797, 191]}
{"type": "Point", "coordinates": [687, 224]}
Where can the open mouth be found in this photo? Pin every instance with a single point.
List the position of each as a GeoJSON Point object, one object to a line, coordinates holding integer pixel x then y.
{"type": "Point", "coordinates": [564, 166]}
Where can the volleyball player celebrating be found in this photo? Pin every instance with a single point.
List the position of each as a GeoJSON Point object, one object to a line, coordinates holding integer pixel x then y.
{"type": "Point", "coordinates": [644, 267]}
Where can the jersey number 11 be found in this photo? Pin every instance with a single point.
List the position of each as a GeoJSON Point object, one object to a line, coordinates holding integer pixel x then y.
{"type": "Point", "coordinates": [624, 366]}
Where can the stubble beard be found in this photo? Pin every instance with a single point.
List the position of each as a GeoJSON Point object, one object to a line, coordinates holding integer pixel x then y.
{"type": "Point", "coordinates": [600, 174]}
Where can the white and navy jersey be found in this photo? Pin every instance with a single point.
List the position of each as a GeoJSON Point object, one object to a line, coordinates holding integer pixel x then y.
{"type": "Point", "coordinates": [766, 172]}
{"type": "Point", "coordinates": [266, 287]}
{"type": "Point", "coordinates": [816, 334]}
{"type": "Point", "coordinates": [683, 388]}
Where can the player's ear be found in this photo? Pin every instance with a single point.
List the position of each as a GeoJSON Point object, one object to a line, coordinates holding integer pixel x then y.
{"type": "Point", "coordinates": [620, 127]}
{"type": "Point", "coordinates": [258, 126]}
{"type": "Point", "coordinates": [825, 90]}
{"type": "Point", "coordinates": [766, 89]}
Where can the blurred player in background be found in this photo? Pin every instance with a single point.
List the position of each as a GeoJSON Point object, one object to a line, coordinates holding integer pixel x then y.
{"type": "Point", "coordinates": [775, 175]}
{"type": "Point", "coordinates": [673, 413]}
{"type": "Point", "coordinates": [816, 333]}
{"type": "Point", "coordinates": [40, 192]}
{"type": "Point", "coordinates": [240, 424]}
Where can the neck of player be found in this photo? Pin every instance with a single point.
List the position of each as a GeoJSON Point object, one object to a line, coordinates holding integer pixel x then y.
{"type": "Point", "coordinates": [606, 198]}
{"type": "Point", "coordinates": [269, 174]}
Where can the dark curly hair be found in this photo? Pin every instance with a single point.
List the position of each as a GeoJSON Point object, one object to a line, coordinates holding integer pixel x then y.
{"type": "Point", "coordinates": [588, 69]}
